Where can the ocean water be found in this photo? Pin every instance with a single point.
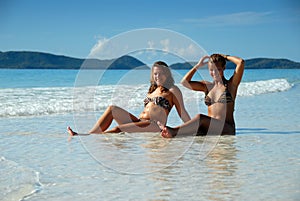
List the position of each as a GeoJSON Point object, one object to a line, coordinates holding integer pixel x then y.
{"type": "Point", "coordinates": [38, 161]}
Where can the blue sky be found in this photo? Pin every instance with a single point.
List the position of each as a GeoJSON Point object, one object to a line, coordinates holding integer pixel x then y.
{"type": "Point", "coordinates": [249, 29]}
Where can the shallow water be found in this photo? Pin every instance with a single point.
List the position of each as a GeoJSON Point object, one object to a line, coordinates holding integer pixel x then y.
{"type": "Point", "coordinates": [244, 167]}
{"type": "Point", "coordinates": [39, 162]}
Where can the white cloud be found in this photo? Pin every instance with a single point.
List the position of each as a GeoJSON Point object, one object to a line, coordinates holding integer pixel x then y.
{"type": "Point", "coordinates": [165, 45]}
{"type": "Point", "coordinates": [98, 47]}
{"type": "Point", "coordinates": [155, 42]}
{"type": "Point", "coordinates": [150, 44]}
{"type": "Point", "coordinates": [189, 51]}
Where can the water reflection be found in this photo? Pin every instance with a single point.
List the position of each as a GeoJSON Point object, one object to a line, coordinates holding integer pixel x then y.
{"type": "Point", "coordinates": [171, 166]}
{"type": "Point", "coordinates": [212, 178]}
{"type": "Point", "coordinates": [135, 153]}
{"type": "Point", "coordinates": [222, 165]}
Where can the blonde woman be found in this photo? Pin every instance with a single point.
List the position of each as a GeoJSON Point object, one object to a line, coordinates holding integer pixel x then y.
{"type": "Point", "coordinates": [162, 95]}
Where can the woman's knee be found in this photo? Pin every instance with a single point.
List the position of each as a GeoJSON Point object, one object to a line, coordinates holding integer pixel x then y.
{"type": "Point", "coordinates": [198, 116]}
{"type": "Point", "coordinates": [116, 130]}
{"type": "Point", "coordinates": [112, 108]}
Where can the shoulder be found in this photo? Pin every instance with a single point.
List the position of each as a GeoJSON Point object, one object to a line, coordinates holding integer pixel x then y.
{"type": "Point", "coordinates": [175, 94]}
{"type": "Point", "coordinates": [174, 89]}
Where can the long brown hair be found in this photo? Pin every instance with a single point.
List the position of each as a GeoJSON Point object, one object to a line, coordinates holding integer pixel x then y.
{"type": "Point", "coordinates": [167, 72]}
{"type": "Point", "coordinates": [218, 59]}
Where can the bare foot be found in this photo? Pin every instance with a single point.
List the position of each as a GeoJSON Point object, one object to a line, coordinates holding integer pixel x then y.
{"type": "Point", "coordinates": [71, 132]}
{"type": "Point", "coordinates": [166, 132]}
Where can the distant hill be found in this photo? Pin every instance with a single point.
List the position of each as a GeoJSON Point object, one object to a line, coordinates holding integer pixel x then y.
{"type": "Point", "coordinates": [257, 63]}
{"type": "Point", "coordinates": [39, 60]}
{"type": "Point", "coordinates": [266, 63]}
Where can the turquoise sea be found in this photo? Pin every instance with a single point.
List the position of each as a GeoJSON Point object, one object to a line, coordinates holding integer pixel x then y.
{"type": "Point", "coordinates": [38, 161]}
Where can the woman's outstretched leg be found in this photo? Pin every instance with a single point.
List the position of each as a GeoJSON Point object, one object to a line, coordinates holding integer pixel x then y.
{"type": "Point", "coordinates": [116, 113]}
{"type": "Point", "coordinates": [71, 132]}
{"type": "Point", "coordinates": [188, 128]}
{"type": "Point", "coordinates": [133, 127]}
{"type": "Point", "coordinates": [200, 123]}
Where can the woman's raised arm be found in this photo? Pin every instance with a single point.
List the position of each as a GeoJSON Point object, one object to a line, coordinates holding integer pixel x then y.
{"type": "Point", "coordinates": [239, 69]}
{"type": "Point", "coordinates": [195, 85]}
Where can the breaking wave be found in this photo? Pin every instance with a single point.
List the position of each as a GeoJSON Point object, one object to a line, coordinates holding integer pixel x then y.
{"type": "Point", "coordinates": [63, 100]}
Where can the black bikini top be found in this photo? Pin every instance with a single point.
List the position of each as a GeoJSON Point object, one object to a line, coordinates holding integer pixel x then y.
{"type": "Point", "coordinates": [160, 101]}
{"type": "Point", "coordinates": [225, 97]}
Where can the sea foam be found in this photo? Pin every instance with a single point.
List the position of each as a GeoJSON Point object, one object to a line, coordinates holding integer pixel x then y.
{"type": "Point", "coordinates": [63, 100]}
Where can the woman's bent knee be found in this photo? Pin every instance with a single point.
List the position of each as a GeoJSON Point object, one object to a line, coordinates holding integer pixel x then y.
{"type": "Point", "coordinates": [115, 130]}
{"type": "Point", "coordinates": [198, 116]}
{"type": "Point", "coordinates": [112, 107]}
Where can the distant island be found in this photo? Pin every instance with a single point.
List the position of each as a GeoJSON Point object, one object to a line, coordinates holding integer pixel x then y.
{"type": "Point", "coordinates": [40, 60]}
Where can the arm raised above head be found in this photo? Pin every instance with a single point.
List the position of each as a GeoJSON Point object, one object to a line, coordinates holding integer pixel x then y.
{"type": "Point", "coordinates": [187, 79]}
{"type": "Point", "coordinates": [239, 69]}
